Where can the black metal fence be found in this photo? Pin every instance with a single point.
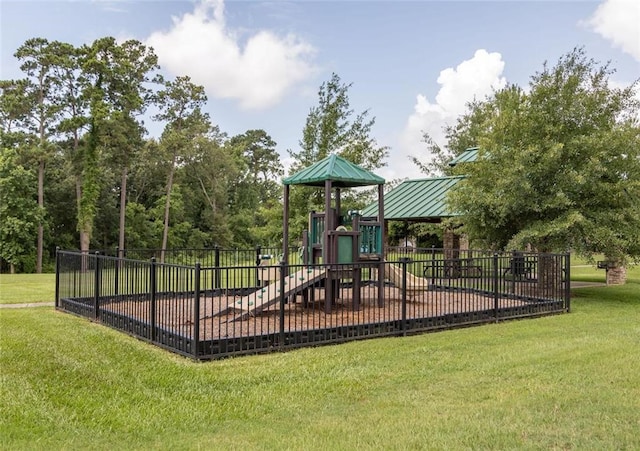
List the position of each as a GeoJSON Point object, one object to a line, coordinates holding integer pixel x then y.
{"type": "Point", "coordinates": [207, 311]}
{"type": "Point", "coordinates": [211, 257]}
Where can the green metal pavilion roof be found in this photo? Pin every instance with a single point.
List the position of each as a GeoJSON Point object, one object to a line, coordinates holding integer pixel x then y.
{"type": "Point", "coordinates": [469, 155]}
{"type": "Point", "coordinates": [341, 172]}
{"type": "Point", "coordinates": [416, 200]}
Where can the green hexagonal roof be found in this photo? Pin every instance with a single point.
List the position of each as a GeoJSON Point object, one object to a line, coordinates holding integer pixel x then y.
{"type": "Point", "coordinates": [341, 172]}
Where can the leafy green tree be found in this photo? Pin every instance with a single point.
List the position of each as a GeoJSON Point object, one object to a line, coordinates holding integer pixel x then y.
{"type": "Point", "coordinates": [180, 104]}
{"type": "Point", "coordinates": [19, 211]}
{"type": "Point", "coordinates": [38, 57]}
{"type": "Point", "coordinates": [210, 177]}
{"type": "Point", "coordinates": [129, 96]}
{"type": "Point", "coordinates": [332, 128]}
{"type": "Point", "coordinates": [72, 85]}
{"type": "Point", "coordinates": [15, 107]}
{"type": "Point", "coordinates": [114, 78]}
{"type": "Point", "coordinates": [460, 136]}
{"type": "Point", "coordinates": [256, 186]}
{"type": "Point", "coordinates": [263, 169]}
{"type": "Point", "coordinates": [61, 212]}
{"type": "Point", "coordinates": [559, 165]}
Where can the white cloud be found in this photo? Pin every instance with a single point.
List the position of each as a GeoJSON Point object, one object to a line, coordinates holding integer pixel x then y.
{"type": "Point", "coordinates": [258, 73]}
{"type": "Point", "coordinates": [473, 78]}
{"type": "Point", "coordinates": [619, 22]}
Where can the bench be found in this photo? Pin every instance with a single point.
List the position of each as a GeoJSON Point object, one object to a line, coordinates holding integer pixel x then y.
{"type": "Point", "coordinates": [520, 268]}
{"type": "Point", "coordinates": [455, 267]}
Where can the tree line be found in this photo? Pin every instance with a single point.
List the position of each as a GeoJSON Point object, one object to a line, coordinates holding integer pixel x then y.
{"type": "Point", "coordinates": [558, 166]}
{"type": "Point", "coordinates": [77, 169]}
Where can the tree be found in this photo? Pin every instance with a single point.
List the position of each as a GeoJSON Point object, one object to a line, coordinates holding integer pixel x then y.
{"type": "Point", "coordinates": [38, 57]}
{"type": "Point", "coordinates": [209, 177]}
{"type": "Point", "coordinates": [115, 76]}
{"type": "Point", "coordinates": [72, 84]}
{"type": "Point", "coordinates": [180, 103]}
{"type": "Point", "coordinates": [18, 209]}
{"type": "Point", "coordinates": [460, 136]}
{"type": "Point", "coordinates": [331, 128]}
{"type": "Point", "coordinates": [129, 94]}
{"type": "Point", "coordinates": [559, 166]}
{"type": "Point", "coordinates": [257, 151]}
{"type": "Point", "coordinates": [14, 108]}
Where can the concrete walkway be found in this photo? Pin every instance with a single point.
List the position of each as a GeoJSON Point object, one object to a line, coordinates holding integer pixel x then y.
{"type": "Point", "coordinates": [31, 304]}
{"type": "Point", "coordinates": [587, 284]}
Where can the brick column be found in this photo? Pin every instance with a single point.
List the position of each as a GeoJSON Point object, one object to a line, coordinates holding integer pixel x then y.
{"type": "Point", "coordinates": [617, 275]}
{"type": "Point", "coordinates": [451, 244]}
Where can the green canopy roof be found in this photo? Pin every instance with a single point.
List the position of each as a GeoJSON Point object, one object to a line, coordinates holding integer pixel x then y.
{"type": "Point", "coordinates": [341, 172]}
{"type": "Point", "coordinates": [469, 155]}
{"type": "Point", "coordinates": [417, 200]}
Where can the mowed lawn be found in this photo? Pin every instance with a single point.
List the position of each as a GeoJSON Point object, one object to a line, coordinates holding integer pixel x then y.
{"type": "Point", "coordinates": [559, 382]}
{"type": "Point", "coordinates": [27, 288]}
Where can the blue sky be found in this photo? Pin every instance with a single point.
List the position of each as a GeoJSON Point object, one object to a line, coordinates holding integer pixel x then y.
{"type": "Point", "coordinates": [413, 64]}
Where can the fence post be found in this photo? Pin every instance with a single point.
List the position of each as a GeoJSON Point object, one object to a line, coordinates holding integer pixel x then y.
{"type": "Point", "coordinates": [281, 342]}
{"type": "Point", "coordinates": [567, 282]}
{"type": "Point", "coordinates": [258, 259]}
{"type": "Point", "coordinates": [216, 263]}
{"type": "Point", "coordinates": [196, 311]}
{"type": "Point", "coordinates": [495, 285]}
{"type": "Point", "coordinates": [433, 265]}
{"type": "Point", "coordinates": [404, 261]}
{"type": "Point", "coordinates": [116, 275]}
{"type": "Point", "coordinates": [97, 287]}
{"type": "Point", "coordinates": [57, 298]}
{"type": "Point", "coordinates": [152, 307]}
{"type": "Point", "coordinates": [513, 269]}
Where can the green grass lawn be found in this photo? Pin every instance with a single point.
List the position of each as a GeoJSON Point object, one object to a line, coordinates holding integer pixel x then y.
{"type": "Point", "coordinates": [558, 382]}
{"type": "Point", "coordinates": [26, 288]}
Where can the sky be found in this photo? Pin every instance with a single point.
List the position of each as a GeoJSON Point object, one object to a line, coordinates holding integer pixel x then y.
{"type": "Point", "coordinates": [412, 64]}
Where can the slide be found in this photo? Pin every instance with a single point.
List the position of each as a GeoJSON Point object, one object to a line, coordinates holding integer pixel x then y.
{"type": "Point", "coordinates": [414, 284]}
{"type": "Point", "coordinates": [270, 294]}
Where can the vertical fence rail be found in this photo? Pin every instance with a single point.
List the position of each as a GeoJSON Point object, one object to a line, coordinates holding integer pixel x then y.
{"type": "Point", "coordinates": [97, 286]}
{"type": "Point", "coordinates": [57, 295]}
{"type": "Point", "coordinates": [496, 280]}
{"type": "Point", "coordinates": [152, 304]}
{"type": "Point", "coordinates": [404, 261]}
{"type": "Point", "coordinates": [281, 315]}
{"type": "Point", "coordinates": [567, 282]}
{"type": "Point", "coordinates": [196, 312]}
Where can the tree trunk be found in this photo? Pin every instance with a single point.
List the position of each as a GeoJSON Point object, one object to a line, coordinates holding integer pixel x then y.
{"type": "Point", "coordinates": [85, 240]}
{"type": "Point", "coordinates": [12, 268]}
{"type": "Point", "coordinates": [549, 276]}
{"type": "Point", "coordinates": [40, 226]}
{"type": "Point", "coordinates": [123, 207]}
{"type": "Point", "coordinates": [165, 231]}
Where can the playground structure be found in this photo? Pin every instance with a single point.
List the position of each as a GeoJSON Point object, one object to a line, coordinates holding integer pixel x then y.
{"type": "Point", "coordinates": [327, 240]}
